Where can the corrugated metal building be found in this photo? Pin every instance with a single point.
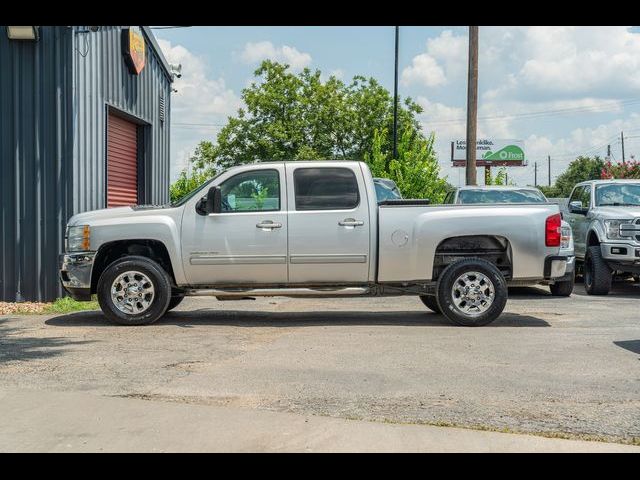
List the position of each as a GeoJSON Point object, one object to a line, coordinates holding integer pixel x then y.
{"type": "Point", "coordinates": [84, 124]}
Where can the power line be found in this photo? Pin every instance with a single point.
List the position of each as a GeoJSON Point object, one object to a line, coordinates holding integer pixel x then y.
{"type": "Point", "coordinates": [172, 26]}
{"type": "Point", "coordinates": [543, 113]}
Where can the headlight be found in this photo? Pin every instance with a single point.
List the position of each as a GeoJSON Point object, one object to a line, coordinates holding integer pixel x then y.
{"type": "Point", "coordinates": [565, 238]}
{"type": "Point", "coordinates": [78, 239]}
{"type": "Point", "coordinates": [613, 228]}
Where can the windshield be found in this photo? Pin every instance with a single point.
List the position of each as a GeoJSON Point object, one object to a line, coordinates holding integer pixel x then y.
{"type": "Point", "coordinates": [501, 196]}
{"type": "Point", "coordinates": [618, 195]}
{"type": "Point", "coordinates": [190, 195]}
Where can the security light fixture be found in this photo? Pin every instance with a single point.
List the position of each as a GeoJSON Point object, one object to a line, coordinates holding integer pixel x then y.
{"type": "Point", "coordinates": [176, 70]}
{"type": "Point", "coordinates": [22, 33]}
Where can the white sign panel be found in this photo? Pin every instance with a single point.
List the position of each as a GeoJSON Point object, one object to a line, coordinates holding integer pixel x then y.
{"type": "Point", "coordinates": [490, 152]}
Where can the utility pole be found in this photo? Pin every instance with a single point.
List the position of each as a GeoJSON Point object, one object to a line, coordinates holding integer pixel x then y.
{"type": "Point", "coordinates": [549, 157]}
{"type": "Point", "coordinates": [472, 105]}
{"type": "Point", "coordinates": [395, 100]}
{"type": "Point", "coordinates": [622, 140]}
{"type": "Point", "coordinates": [535, 174]}
{"type": "Point", "coordinates": [608, 153]}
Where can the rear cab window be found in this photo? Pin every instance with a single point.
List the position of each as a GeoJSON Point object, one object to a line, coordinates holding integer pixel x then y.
{"type": "Point", "coordinates": [325, 188]}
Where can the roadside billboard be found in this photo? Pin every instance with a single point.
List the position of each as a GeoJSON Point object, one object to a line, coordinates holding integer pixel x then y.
{"type": "Point", "coordinates": [490, 152]}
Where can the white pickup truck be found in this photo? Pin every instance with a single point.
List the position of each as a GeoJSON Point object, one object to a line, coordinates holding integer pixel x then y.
{"type": "Point", "coordinates": [308, 228]}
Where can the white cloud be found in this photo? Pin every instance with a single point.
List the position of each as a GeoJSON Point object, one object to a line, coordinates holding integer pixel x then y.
{"type": "Point", "coordinates": [197, 95]}
{"type": "Point", "coordinates": [199, 99]}
{"type": "Point", "coordinates": [424, 70]}
{"type": "Point", "coordinates": [445, 57]}
{"type": "Point", "coordinates": [258, 51]}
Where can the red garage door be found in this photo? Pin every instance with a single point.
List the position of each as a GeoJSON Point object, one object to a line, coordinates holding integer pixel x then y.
{"type": "Point", "coordinates": [122, 162]}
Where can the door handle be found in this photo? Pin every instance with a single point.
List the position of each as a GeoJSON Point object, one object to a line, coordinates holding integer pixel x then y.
{"type": "Point", "coordinates": [351, 222]}
{"type": "Point", "coordinates": [268, 224]}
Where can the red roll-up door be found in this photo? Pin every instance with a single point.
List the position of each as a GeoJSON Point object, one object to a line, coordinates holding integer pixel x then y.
{"type": "Point", "coordinates": [122, 162]}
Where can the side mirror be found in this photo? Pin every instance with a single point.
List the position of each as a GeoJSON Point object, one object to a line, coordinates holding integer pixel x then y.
{"type": "Point", "coordinates": [576, 207]}
{"type": "Point", "coordinates": [214, 200]}
{"type": "Point", "coordinates": [212, 203]}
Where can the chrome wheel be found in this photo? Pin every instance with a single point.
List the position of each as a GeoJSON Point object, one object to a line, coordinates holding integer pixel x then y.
{"type": "Point", "coordinates": [473, 293]}
{"type": "Point", "coordinates": [132, 292]}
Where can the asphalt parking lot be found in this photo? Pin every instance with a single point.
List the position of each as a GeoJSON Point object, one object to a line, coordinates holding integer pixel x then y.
{"type": "Point", "coordinates": [551, 366]}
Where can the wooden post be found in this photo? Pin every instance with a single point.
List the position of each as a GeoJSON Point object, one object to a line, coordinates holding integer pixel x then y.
{"type": "Point", "coordinates": [472, 106]}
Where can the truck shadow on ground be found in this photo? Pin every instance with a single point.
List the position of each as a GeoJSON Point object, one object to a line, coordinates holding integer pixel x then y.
{"type": "Point", "coordinates": [619, 289]}
{"type": "Point", "coordinates": [249, 318]}
{"type": "Point", "coordinates": [631, 345]}
{"type": "Point", "coordinates": [14, 347]}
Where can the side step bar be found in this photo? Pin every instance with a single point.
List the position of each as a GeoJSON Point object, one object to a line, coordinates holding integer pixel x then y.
{"type": "Point", "coordinates": [278, 292]}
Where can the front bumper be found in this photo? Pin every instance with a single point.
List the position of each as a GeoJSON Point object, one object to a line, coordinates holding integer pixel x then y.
{"type": "Point", "coordinates": [75, 273]}
{"type": "Point", "coordinates": [628, 253]}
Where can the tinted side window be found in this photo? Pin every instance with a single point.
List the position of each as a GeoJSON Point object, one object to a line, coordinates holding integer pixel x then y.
{"type": "Point", "coordinates": [325, 189]}
{"type": "Point", "coordinates": [449, 198]}
{"type": "Point", "coordinates": [257, 190]}
{"type": "Point", "coordinates": [583, 195]}
{"type": "Point", "coordinates": [575, 195]}
{"type": "Point", "coordinates": [586, 196]}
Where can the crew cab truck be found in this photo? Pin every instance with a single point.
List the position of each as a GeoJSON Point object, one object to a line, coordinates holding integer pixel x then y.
{"type": "Point", "coordinates": [495, 194]}
{"type": "Point", "coordinates": [605, 218]}
{"type": "Point", "coordinates": [307, 228]}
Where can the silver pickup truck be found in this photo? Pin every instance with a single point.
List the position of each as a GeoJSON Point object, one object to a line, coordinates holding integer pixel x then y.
{"type": "Point", "coordinates": [307, 228]}
{"type": "Point", "coordinates": [605, 217]}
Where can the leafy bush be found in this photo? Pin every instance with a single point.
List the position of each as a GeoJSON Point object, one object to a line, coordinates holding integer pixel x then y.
{"type": "Point", "coordinates": [416, 170]}
{"type": "Point", "coordinates": [189, 180]}
{"type": "Point", "coordinates": [500, 178]}
{"type": "Point", "coordinates": [579, 170]}
{"type": "Point", "coordinates": [629, 169]}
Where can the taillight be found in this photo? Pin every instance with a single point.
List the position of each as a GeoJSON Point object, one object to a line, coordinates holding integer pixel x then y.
{"type": "Point", "coordinates": [553, 231]}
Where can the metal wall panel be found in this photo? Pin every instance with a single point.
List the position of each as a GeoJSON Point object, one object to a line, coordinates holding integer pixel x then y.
{"type": "Point", "coordinates": [103, 82]}
{"type": "Point", "coordinates": [35, 163]}
{"type": "Point", "coordinates": [54, 99]}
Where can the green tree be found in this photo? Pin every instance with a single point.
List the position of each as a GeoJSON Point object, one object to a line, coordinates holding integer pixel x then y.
{"type": "Point", "coordinates": [189, 180]}
{"type": "Point", "coordinates": [416, 170]}
{"type": "Point", "coordinates": [300, 117]}
{"type": "Point", "coordinates": [579, 170]}
{"type": "Point", "coordinates": [500, 178]}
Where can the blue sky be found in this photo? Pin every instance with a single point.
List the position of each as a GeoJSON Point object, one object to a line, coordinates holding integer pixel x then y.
{"type": "Point", "coordinates": [563, 90]}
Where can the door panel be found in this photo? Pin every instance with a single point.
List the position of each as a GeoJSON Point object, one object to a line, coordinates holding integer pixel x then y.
{"type": "Point", "coordinates": [247, 242]}
{"type": "Point", "coordinates": [328, 225]}
{"type": "Point", "coordinates": [579, 222]}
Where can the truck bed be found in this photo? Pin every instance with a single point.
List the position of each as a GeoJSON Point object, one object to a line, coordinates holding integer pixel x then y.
{"type": "Point", "coordinates": [410, 234]}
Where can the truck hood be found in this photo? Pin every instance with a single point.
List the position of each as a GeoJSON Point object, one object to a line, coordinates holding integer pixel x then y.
{"type": "Point", "coordinates": [618, 212]}
{"type": "Point", "coordinates": [87, 218]}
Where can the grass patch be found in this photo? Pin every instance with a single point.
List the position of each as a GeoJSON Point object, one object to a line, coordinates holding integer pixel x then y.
{"type": "Point", "coordinates": [61, 305]}
{"type": "Point", "coordinates": [68, 305]}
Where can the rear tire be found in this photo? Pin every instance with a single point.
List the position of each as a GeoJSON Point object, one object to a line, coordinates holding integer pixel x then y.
{"type": "Point", "coordinates": [431, 302]}
{"type": "Point", "coordinates": [472, 292]}
{"type": "Point", "coordinates": [597, 274]}
{"type": "Point", "coordinates": [134, 290]}
{"type": "Point", "coordinates": [563, 289]}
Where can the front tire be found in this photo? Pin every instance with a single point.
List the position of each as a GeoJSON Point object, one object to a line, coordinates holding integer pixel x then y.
{"type": "Point", "coordinates": [472, 292]}
{"type": "Point", "coordinates": [431, 302]}
{"type": "Point", "coordinates": [175, 301]}
{"type": "Point", "coordinates": [134, 290]}
{"type": "Point", "coordinates": [597, 274]}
